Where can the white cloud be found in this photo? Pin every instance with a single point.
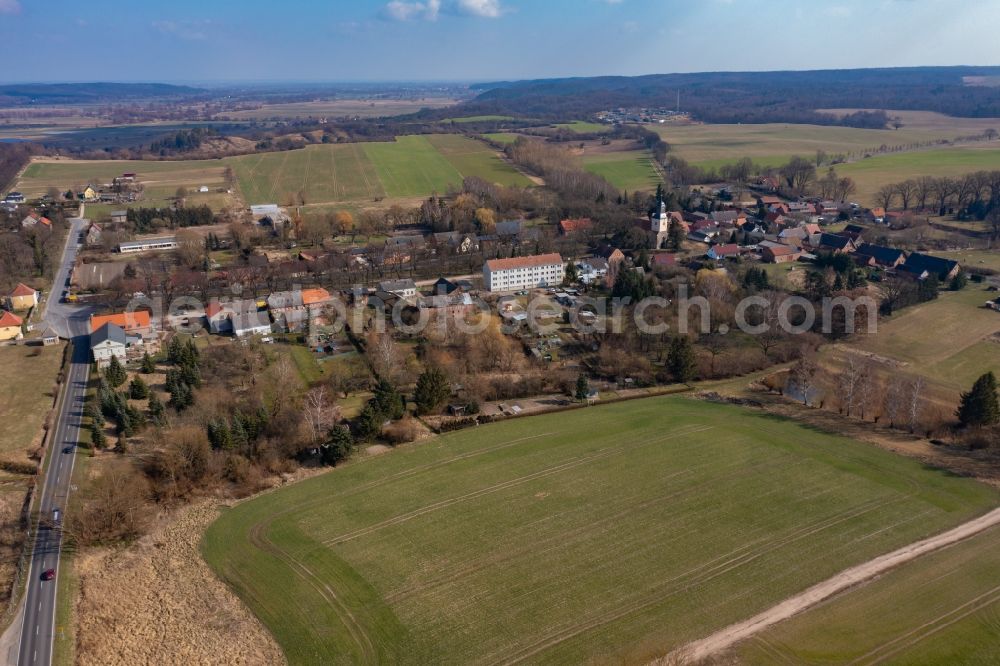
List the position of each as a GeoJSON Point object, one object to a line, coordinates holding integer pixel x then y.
{"type": "Point", "coordinates": [482, 8]}
{"type": "Point", "coordinates": [399, 10]}
{"type": "Point", "coordinates": [428, 10]}
{"type": "Point", "coordinates": [10, 7]}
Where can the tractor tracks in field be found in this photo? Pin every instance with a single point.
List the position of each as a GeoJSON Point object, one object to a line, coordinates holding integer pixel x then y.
{"type": "Point", "coordinates": [726, 638]}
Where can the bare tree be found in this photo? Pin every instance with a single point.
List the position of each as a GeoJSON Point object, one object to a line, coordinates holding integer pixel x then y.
{"type": "Point", "coordinates": [915, 401]}
{"type": "Point", "coordinates": [886, 196]}
{"type": "Point", "coordinates": [907, 191]}
{"type": "Point", "coordinates": [849, 382]}
{"type": "Point", "coordinates": [804, 376]}
{"type": "Point", "coordinates": [319, 412]}
{"type": "Point", "coordinates": [944, 190]}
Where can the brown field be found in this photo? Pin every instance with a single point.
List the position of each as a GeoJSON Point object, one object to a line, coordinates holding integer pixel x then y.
{"type": "Point", "coordinates": [171, 608]}
{"type": "Point", "coordinates": [345, 107]}
{"type": "Point", "coordinates": [930, 121]}
{"type": "Point", "coordinates": [27, 400]}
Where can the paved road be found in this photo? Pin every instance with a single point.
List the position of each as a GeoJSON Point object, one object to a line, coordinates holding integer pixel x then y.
{"type": "Point", "coordinates": [38, 625]}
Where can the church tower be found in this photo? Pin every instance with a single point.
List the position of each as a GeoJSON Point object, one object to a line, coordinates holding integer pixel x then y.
{"type": "Point", "coordinates": [660, 221]}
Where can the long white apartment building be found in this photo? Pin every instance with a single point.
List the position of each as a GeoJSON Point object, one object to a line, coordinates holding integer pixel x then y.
{"type": "Point", "coordinates": [540, 270]}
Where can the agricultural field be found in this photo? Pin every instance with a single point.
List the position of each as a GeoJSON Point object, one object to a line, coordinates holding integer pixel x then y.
{"type": "Point", "coordinates": [478, 119]}
{"type": "Point", "coordinates": [26, 401]}
{"type": "Point", "coordinates": [773, 144]}
{"type": "Point", "coordinates": [874, 172]}
{"type": "Point", "coordinates": [630, 171]}
{"type": "Point", "coordinates": [614, 535]}
{"type": "Point", "coordinates": [364, 108]}
{"type": "Point", "coordinates": [502, 137]}
{"type": "Point", "coordinates": [942, 608]}
{"type": "Point", "coordinates": [582, 127]}
{"type": "Point", "coordinates": [474, 158]}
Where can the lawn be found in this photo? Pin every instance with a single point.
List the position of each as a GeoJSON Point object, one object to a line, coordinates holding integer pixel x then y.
{"type": "Point", "coordinates": [630, 171]}
{"type": "Point", "coordinates": [939, 609]}
{"type": "Point", "coordinates": [615, 533]}
{"type": "Point", "coordinates": [26, 397]}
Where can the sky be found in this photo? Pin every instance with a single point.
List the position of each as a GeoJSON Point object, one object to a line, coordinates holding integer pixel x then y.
{"type": "Point", "coordinates": [479, 40]}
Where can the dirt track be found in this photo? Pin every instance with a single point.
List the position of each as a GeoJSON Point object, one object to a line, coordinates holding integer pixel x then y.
{"type": "Point", "coordinates": [726, 638]}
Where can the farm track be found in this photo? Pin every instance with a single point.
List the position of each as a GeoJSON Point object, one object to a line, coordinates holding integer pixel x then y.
{"type": "Point", "coordinates": [726, 638]}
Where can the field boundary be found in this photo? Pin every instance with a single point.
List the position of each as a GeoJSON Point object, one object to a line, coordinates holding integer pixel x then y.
{"type": "Point", "coordinates": [849, 578]}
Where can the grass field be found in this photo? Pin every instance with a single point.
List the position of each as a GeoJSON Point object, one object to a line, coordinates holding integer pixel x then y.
{"type": "Point", "coordinates": [477, 119]}
{"type": "Point", "coordinates": [502, 137]}
{"type": "Point", "coordinates": [582, 127]}
{"type": "Point", "coordinates": [365, 108]}
{"type": "Point", "coordinates": [946, 339]}
{"type": "Point", "coordinates": [714, 145]}
{"type": "Point", "coordinates": [630, 171]}
{"type": "Point", "coordinates": [613, 534]}
{"type": "Point", "coordinates": [872, 173]}
{"type": "Point", "coordinates": [26, 397]}
{"type": "Point", "coordinates": [475, 158]}
{"type": "Point", "coordinates": [943, 608]}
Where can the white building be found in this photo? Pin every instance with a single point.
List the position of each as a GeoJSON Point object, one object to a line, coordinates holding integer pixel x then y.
{"type": "Point", "coordinates": [542, 270]}
{"type": "Point", "coordinates": [107, 341]}
{"type": "Point", "coordinates": [149, 245]}
{"type": "Point", "coordinates": [405, 289]}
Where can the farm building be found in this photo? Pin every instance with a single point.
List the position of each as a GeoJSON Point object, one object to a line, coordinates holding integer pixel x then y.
{"type": "Point", "coordinates": [119, 216]}
{"type": "Point", "coordinates": [884, 257]}
{"type": "Point", "coordinates": [405, 289]}
{"type": "Point", "coordinates": [541, 270]}
{"type": "Point", "coordinates": [133, 323]}
{"type": "Point", "coordinates": [106, 342]}
{"type": "Point", "coordinates": [917, 264]}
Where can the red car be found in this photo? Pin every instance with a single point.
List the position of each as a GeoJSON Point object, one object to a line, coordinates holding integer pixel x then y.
{"type": "Point", "coordinates": [48, 574]}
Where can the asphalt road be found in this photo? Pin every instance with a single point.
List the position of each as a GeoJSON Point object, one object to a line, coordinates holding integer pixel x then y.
{"type": "Point", "coordinates": [38, 626]}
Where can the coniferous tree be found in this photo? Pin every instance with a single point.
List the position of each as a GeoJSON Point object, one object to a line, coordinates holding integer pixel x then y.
{"type": "Point", "coordinates": [156, 410]}
{"type": "Point", "coordinates": [979, 406]}
{"type": "Point", "coordinates": [148, 365]}
{"type": "Point", "coordinates": [432, 390]}
{"type": "Point", "coordinates": [115, 373]}
{"type": "Point", "coordinates": [681, 360]}
{"type": "Point", "coordinates": [582, 387]}
{"type": "Point", "coordinates": [338, 446]}
{"type": "Point", "coordinates": [137, 389]}
{"type": "Point", "coordinates": [97, 437]}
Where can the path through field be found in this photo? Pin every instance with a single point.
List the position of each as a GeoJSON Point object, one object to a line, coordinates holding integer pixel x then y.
{"type": "Point", "coordinates": [726, 638]}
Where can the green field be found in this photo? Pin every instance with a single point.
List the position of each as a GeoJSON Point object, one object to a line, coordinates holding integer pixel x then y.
{"type": "Point", "coordinates": [613, 534]}
{"type": "Point", "coordinates": [872, 173]}
{"type": "Point", "coordinates": [943, 608]}
{"type": "Point", "coordinates": [411, 166]}
{"type": "Point", "coordinates": [582, 127]}
{"type": "Point", "coordinates": [630, 171]}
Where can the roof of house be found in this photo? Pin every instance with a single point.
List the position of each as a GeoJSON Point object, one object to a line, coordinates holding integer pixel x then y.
{"type": "Point", "coordinates": [22, 290]}
{"type": "Point", "coordinates": [574, 225]}
{"type": "Point", "coordinates": [596, 263]}
{"type": "Point", "coordinates": [107, 333]}
{"type": "Point", "coordinates": [883, 255]}
{"type": "Point", "coordinates": [781, 250]}
{"type": "Point", "coordinates": [390, 286]}
{"type": "Point", "coordinates": [444, 286]}
{"type": "Point", "coordinates": [727, 250]}
{"type": "Point", "coordinates": [8, 319]}
{"type": "Point", "coordinates": [834, 240]}
{"type": "Point", "coordinates": [119, 213]}
{"type": "Point", "coordinates": [917, 263]}
{"type": "Point", "coordinates": [285, 299]}
{"type": "Point", "coordinates": [664, 259]}
{"type": "Point", "coordinates": [508, 227]}
{"type": "Point", "coordinates": [524, 262]}
{"type": "Point", "coordinates": [314, 296]}
{"type": "Point", "coordinates": [126, 320]}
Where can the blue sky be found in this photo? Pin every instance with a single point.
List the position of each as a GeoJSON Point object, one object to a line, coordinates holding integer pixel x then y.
{"type": "Point", "coordinates": [463, 40]}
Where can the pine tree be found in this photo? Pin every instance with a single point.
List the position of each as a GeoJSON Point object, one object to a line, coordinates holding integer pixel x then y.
{"type": "Point", "coordinates": [582, 387]}
{"type": "Point", "coordinates": [339, 445]}
{"type": "Point", "coordinates": [97, 438]}
{"type": "Point", "coordinates": [156, 410]}
{"type": "Point", "coordinates": [369, 422]}
{"type": "Point", "coordinates": [137, 389]}
{"type": "Point", "coordinates": [980, 406]}
{"type": "Point", "coordinates": [432, 390]}
{"type": "Point", "coordinates": [148, 365]}
{"type": "Point", "coordinates": [115, 373]}
{"type": "Point", "coordinates": [174, 350]}
{"type": "Point", "coordinates": [388, 401]}
{"type": "Point", "coordinates": [681, 360]}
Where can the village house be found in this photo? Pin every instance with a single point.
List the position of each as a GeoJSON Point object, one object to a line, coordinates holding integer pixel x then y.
{"type": "Point", "coordinates": [592, 270]}
{"type": "Point", "coordinates": [34, 219]}
{"type": "Point", "coordinates": [119, 216]}
{"type": "Point", "coordinates": [137, 322]}
{"type": "Point", "coordinates": [575, 226]}
{"type": "Point", "coordinates": [107, 342]}
{"type": "Point", "coordinates": [93, 234]}
{"type": "Point", "coordinates": [922, 265]}
{"type": "Point", "coordinates": [287, 310]}
{"type": "Point", "coordinates": [832, 243]}
{"type": "Point", "coordinates": [10, 326]}
{"type": "Point", "coordinates": [615, 259]}
{"type": "Point", "coordinates": [22, 297]}
{"type": "Point", "coordinates": [542, 270]}
{"type": "Point", "coordinates": [882, 257]}
{"type": "Point", "coordinates": [777, 253]}
{"type": "Point", "coordinates": [89, 193]}
{"type": "Point", "coordinates": [405, 289]}
{"type": "Point", "coordinates": [726, 251]}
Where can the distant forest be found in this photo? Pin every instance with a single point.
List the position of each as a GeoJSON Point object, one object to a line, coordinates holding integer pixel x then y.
{"type": "Point", "coordinates": [752, 97]}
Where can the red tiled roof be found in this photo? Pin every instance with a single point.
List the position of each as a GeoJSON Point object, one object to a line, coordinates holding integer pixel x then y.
{"type": "Point", "coordinates": [314, 296]}
{"type": "Point", "coordinates": [524, 262]}
{"type": "Point", "coordinates": [9, 319]}
{"type": "Point", "coordinates": [129, 321]}
{"type": "Point", "coordinates": [22, 290]}
{"type": "Point", "coordinates": [782, 251]}
{"type": "Point", "coordinates": [570, 226]}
